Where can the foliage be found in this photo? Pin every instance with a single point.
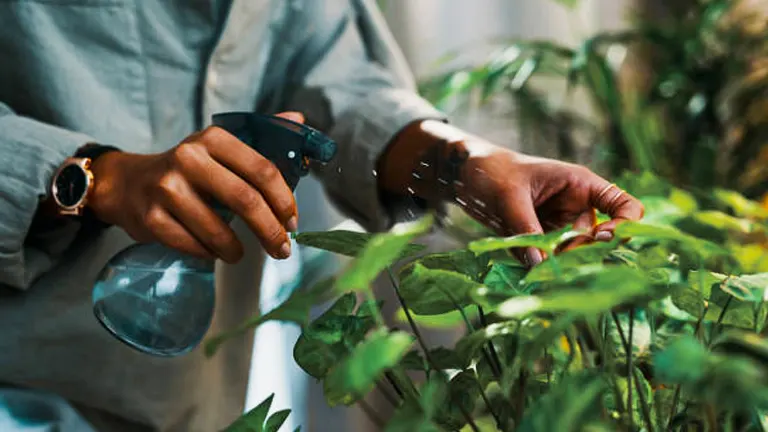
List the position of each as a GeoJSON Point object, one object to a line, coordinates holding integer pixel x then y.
{"type": "Point", "coordinates": [691, 108]}
{"type": "Point", "coordinates": [659, 329]}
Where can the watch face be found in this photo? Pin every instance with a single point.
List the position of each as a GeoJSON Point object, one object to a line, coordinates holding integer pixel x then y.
{"type": "Point", "coordinates": [71, 185]}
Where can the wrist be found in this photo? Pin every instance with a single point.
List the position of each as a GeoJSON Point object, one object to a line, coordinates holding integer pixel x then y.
{"type": "Point", "coordinates": [426, 159]}
{"type": "Point", "coordinates": [105, 194]}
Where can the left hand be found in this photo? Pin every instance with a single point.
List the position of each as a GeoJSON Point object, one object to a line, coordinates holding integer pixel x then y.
{"type": "Point", "coordinates": [508, 191]}
{"type": "Point", "coordinates": [519, 194]}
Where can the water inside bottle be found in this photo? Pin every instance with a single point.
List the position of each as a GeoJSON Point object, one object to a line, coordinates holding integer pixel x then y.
{"type": "Point", "coordinates": [162, 307]}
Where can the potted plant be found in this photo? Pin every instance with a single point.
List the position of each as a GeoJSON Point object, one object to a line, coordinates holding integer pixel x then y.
{"type": "Point", "coordinates": [660, 329]}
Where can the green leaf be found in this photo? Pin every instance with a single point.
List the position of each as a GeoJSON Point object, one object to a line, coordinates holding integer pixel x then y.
{"type": "Point", "coordinates": [742, 343]}
{"type": "Point", "coordinates": [347, 243]}
{"type": "Point", "coordinates": [448, 320]}
{"type": "Point", "coordinates": [568, 262]}
{"type": "Point", "coordinates": [468, 346]}
{"type": "Point", "coordinates": [433, 292]}
{"type": "Point", "coordinates": [501, 283]}
{"type": "Point", "coordinates": [356, 375]}
{"type": "Point", "coordinates": [740, 205]}
{"type": "Point", "coordinates": [276, 420]}
{"type": "Point", "coordinates": [330, 337]}
{"type": "Point", "coordinates": [414, 361]}
{"type": "Point", "coordinates": [749, 288]}
{"type": "Point", "coordinates": [419, 417]}
{"type": "Point", "coordinates": [253, 420]}
{"type": "Point", "coordinates": [667, 233]}
{"type": "Point", "coordinates": [460, 261]}
{"type": "Point", "coordinates": [294, 309]}
{"type": "Point", "coordinates": [569, 406]}
{"type": "Point", "coordinates": [725, 222]}
{"type": "Point", "coordinates": [683, 361]}
{"type": "Point", "coordinates": [547, 242]}
{"type": "Point", "coordinates": [610, 287]}
{"type": "Point", "coordinates": [463, 392]}
{"type": "Point", "coordinates": [380, 252]}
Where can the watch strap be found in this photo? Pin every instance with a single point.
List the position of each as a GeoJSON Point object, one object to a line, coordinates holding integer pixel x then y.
{"type": "Point", "coordinates": [93, 151]}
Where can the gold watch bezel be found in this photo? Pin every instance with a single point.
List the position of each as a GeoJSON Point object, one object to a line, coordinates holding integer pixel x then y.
{"type": "Point", "coordinates": [75, 209]}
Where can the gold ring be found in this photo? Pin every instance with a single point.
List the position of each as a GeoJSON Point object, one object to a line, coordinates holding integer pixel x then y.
{"type": "Point", "coordinates": [605, 191]}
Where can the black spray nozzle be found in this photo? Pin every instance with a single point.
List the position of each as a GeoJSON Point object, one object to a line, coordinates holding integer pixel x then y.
{"type": "Point", "coordinates": [289, 145]}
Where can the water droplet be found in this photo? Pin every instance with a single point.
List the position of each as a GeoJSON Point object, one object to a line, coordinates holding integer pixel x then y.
{"type": "Point", "coordinates": [411, 191]}
{"type": "Point", "coordinates": [411, 214]}
{"type": "Point", "coordinates": [291, 154]}
{"type": "Point", "coordinates": [478, 202]}
{"type": "Point", "coordinates": [424, 164]}
{"type": "Point", "coordinates": [442, 181]}
{"type": "Point", "coordinates": [461, 202]}
{"type": "Point", "coordinates": [494, 224]}
{"type": "Point", "coordinates": [375, 174]}
{"type": "Point", "coordinates": [458, 183]}
{"type": "Point", "coordinates": [338, 170]}
{"type": "Point", "coordinates": [416, 175]}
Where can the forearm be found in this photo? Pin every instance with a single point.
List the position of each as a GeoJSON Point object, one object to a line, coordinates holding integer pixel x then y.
{"type": "Point", "coordinates": [427, 159]}
{"type": "Point", "coordinates": [31, 153]}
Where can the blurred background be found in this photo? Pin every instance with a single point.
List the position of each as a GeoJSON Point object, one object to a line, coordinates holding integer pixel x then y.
{"type": "Point", "coordinates": [678, 88]}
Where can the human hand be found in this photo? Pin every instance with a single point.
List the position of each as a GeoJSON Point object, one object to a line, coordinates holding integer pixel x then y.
{"type": "Point", "coordinates": [509, 192]}
{"type": "Point", "coordinates": [519, 194]}
{"type": "Point", "coordinates": [165, 197]}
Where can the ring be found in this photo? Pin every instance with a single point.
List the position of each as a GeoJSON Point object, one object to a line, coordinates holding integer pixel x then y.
{"type": "Point", "coordinates": [605, 190]}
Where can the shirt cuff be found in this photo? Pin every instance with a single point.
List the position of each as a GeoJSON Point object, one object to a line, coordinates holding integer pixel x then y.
{"type": "Point", "coordinates": [363, 134]}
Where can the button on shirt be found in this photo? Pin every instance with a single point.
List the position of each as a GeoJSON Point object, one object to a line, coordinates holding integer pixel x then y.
{"type": "Point", "coordinates": [142, 75]}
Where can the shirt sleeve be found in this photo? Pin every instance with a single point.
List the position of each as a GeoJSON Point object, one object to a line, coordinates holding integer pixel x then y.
{"type": "Point", "coordinates": [362, 93]}
{"type": "Point", "coordinates": [31, 152]}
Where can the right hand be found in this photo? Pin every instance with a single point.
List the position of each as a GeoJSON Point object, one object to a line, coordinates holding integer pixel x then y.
{"type": "Point", "coordinates": [163, 197]}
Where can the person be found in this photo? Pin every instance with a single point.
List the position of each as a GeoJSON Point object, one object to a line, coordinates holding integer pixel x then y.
{"type": "Point", "coordinates": [113, 88]}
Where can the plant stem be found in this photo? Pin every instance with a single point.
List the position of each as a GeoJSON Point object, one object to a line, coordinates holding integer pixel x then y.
{"type": "Point", "coordinates": [630, 367]}
{"type": "Point", "coordinates": [468, 418]}
{"type": "Point", "coordinates": [411, 321]}
{"type": "Point", "coordinates": [491, 348]}
{"type": "Point", "coordinates": [495, 416]}
{"type": "Point", "coordinates": [423, 344]}
{"type": "Point", "coordinates": [392, 399]}
{"type": "Point", "coordinates": [673, 410]}
{"type": "Point", "coordinates": [646, 410]}
{"type": "Point", "coordinates": [722, 315]}
{"type": "Point", "coordinates": [520, 408]}
{"type": "Point", "coordinates": [393, 383]}
{"type": "Point", "coordinates": [374, 417]}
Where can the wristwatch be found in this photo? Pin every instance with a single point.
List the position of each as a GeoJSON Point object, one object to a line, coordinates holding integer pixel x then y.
{"type": "Point", "coordinates": [73, 181]}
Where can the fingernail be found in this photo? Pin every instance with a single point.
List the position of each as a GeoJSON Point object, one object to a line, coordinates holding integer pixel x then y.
{"type": "Point", "coordinates": [604, 236]}
{"type": "Point", "coordinates": [285, 250]}
{"type": "Point", "coordinates": [533, 256]}
{"type": "Point", "coordinates": [293, 224]}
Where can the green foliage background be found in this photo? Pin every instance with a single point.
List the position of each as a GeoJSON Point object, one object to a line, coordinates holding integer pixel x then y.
{"type": "Point", "coordinates": [661, 329]}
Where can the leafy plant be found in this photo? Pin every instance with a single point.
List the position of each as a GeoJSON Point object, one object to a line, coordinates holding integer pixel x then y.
{"type": "Point", "coordinates": [660, 329]}
{"type": "Point", "coordinates": [694, 113]}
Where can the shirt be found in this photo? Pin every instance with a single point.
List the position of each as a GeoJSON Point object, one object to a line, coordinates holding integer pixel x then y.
{"type": "Point", "coordinates": [141, 75]}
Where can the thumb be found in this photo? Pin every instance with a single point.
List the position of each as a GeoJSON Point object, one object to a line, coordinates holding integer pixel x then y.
{"type": "Point", "coordinates": [520, 217]}
{"type": "Point", "coordinates": [292, 116]}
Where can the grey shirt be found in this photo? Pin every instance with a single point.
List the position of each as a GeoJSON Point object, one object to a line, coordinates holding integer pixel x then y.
{"type": "Point", "coordinates": [141, 75]}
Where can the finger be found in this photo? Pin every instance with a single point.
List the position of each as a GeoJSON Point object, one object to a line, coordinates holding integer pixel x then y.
{"type": "Point", "coordinates": [292, 116]}
{"type": "Point", "coordinates": [248, 203]}
{"type": "Point", "coordinates": [519, 216]}
{"type": "Point", "coordinates": [184, 204]}
{"type": "Point", "coordinates": [162, 227]}
{"type": "Point", "coordinates": [611, 200]}
{"type": "Point", "coordinates": [586, 220]}
{"type": "Point", "coordinates": [259, 172]}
